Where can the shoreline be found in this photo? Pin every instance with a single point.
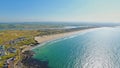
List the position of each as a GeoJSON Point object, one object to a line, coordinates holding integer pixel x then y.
{"type": "Point", "coordinates": [41, 40]}
{"type": "Point", "coordinates": [46, 39]}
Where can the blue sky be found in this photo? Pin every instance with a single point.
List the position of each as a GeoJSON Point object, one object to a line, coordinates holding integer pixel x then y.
{"type": "Point", "coordinates": [60, 10]}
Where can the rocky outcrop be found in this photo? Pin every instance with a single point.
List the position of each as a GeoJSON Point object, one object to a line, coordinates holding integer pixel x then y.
{"type": "Point", "coordinates": [30, 62]}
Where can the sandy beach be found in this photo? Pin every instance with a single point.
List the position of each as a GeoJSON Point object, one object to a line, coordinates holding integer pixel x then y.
{"type": "Point", "coordinates": [47, 38]}
{"type": "Point", "coordinates": [42, 39]}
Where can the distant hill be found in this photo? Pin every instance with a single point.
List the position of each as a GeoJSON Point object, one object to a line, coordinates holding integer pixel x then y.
{"type": "Point", "coordinates": [49, 25]}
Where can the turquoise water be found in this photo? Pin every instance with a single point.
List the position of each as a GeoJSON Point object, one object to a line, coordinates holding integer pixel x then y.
{"type": "Point", "coordinates": [99, 48]}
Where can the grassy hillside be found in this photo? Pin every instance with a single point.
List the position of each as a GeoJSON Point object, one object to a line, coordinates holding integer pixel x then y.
{"type": "Point", "coordinates": [7, 36]}
{"type": "Point", "coordinates": [23, 26]}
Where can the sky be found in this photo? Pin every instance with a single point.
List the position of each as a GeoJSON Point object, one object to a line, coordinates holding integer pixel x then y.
{"type": "Point", "coordinates": [60, 10]}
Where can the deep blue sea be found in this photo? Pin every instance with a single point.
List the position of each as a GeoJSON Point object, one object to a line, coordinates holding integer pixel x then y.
{"type": "Point", "coordinates": [99, 48]}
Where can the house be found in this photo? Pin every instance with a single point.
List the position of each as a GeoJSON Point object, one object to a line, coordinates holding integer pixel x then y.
{"type": "Point", "coordinates": [2, 50]}
{"type": "Point", "coordinates": [13, 42]}
{"type": "Point", "coordinates": [5, 65]}
{"type": "Point", "coordinates": [21, 38]}
{"type": "Point", "coordinates": [11, 50]}
{"type": "Point", "coordinates": [9, 63]}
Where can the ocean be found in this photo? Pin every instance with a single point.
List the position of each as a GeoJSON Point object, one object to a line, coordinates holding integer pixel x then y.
{"type": "Point", "coordinates": [99, 48]}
